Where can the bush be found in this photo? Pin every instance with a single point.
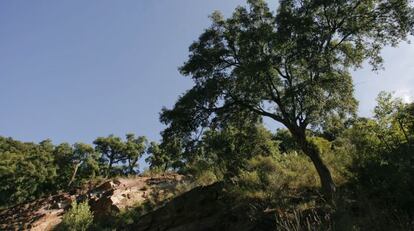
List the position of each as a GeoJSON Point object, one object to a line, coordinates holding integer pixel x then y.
{"type": "Point", "coordinates": [389, 178]}
{"type": "Point", "coordinates": [78, 218]}
{"type": "Point", "coordinates": [277, 176]}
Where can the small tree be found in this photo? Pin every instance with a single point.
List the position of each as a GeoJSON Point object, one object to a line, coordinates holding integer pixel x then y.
{"type": "Point", "coordinates": [78, 218]}
{"type": "Point", "coordinates": [134, 149]}
{"type": "Point", "coordinates": [112, 149]}
{"type": "Point", "coordinates": [157, 158]}
{"type": "Point", "coordinates": [84, 157]}
{"type": "Point", "coordinates": [229, 148]}
{"type": "Point", "coordinates": [63, 154]}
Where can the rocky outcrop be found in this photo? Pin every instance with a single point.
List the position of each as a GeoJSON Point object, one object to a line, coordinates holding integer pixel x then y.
{"type": "Point", "coordinates": [107, 198]}
{"type": "Point", "coordinates": [113, 196]}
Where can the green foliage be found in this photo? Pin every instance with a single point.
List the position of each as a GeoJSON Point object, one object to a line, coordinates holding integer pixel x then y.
{"type": "Point", "coordinates": [275, 176]}
{"type": "Point", "coordinates": [207, 177]}
{"type": "Point", "coordinates": [76, 164]}
{"type": "Point", "coordinates": [383, 160]}
{"type": "Point", "coordinates": [135, 147]}
{"type": "Point", "coordinates": [405, 117]}
{"type": "Point", "coordinates": [389, 176]}
{"type": "Point", "coordinates": [84, 163]}
{"type": "Point", "coordinates": [158, 158]}
{"type": "Point", "coordinates": [27, 170]}
{"type": "Point", "coordinates": [227, 149]}
{"type": "Point", "coordinates": [262, 179]}
{"type": "Point", "coordinates": [287, 143]}
{"type": "Point", "coordinates": [375, 178]}
{"type": "Point", "coordinates": [394, 120]}
{"type": "Point", "coordinates": [114, 151]}
{"type": "Point", "coordinates": [63, 154]}
{"type": "Point", "coordinates": [221, 150]}
{"type": "Point", "coordinates": [292, 66]}
{"type": "Point", "coordinates": [78, 218]}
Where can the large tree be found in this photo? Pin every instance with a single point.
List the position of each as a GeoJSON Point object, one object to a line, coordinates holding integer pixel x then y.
{"type": "Point", "coordinates": [292, 66]}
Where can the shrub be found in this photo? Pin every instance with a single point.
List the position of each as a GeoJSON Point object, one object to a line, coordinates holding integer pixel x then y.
{"type": "Point", "coordinates": [389, 177]}
{"type": "Point", "coordinates": [268, 177]}
{"type": "Point", "coordinates": [262, 179]}
{"type": "Point", "coordinates": [78, 218]}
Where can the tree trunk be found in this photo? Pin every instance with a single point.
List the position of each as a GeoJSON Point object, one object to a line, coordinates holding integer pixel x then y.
{"type": "Point", "coordinates": [131, 165]}
{"type": "Point", "coordinates": [108, 171]}
{"type": "Point", "coordinates": [403, 130]}
{"type": "Point", "coordinates": [312, 151]}
{"type": "Point", "coordinates": [130, 168]}
{"type": "Point", "coordinates": [75, 171]}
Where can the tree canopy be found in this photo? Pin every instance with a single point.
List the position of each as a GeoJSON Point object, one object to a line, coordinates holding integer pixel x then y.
{"type": "Point", "coordinates": [292, 66]}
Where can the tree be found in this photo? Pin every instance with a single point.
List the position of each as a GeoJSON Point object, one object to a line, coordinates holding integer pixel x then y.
{"type": "Point", "coordinates": [228, 148]}
{"type": "Point", "coordinates": [292, 66]}
{"type": "Point", "coordinates": [112, 150]}
{"type": "Point", "coordinates": [84, 158]}
{"type": "Point", "coordinates": [115, 151]}
{"type": "Point", "coordinates": [383, 157]}
{"type": "Point", "coordinates": [63, 154]}
{"type": "Point", "coordinates": [405, 118]}
{"type": "Point", "coordinates": [394, 118]}
{"type": "Point", "coordinates": [78, 218]}
{"type": "Point", "coordinates": [134, 149]}
{"type": "Point", "coordinates": [287, 143]}
{"type": "Point", "coordinates": [169, 154]}
{"type": "Point", "coordinates": [27, 170]}
{"type": "Point", "coordinates": [158, 158]}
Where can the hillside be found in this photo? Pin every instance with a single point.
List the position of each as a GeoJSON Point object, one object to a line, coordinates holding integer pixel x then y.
{"type": "Point", "coordinates": [111, 196]}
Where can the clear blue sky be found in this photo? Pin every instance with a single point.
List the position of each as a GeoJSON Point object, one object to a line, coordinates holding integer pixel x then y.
{"type": "Point", "coordinates": [73, 70]}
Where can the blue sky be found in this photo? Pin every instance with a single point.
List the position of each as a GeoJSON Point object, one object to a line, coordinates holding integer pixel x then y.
{"type": "Point", "coordinates": [75, 70]}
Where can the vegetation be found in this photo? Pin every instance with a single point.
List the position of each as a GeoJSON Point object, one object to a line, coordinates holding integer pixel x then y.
{"type": "Point", "coordinates": [29, 171]}
{"type": "Point", "coordinates": [326, 169]}
{"type": "Point", "coordinates": [78, 218]}
{"type": "Point", "coordinates": [292, 66]}
{"type": "Point", "coordinates": [374, 178]}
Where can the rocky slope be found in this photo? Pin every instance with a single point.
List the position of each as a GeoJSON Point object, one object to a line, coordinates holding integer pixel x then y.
{"type": "Point", "coordinates": [108, 197]}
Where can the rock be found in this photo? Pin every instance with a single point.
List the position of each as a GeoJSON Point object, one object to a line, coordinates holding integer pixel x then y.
{"type": "Point", "coordinates": [103, 207]}
{"type": "Point", "coordinates": [62, 201]}
{"type": "Point", "coordinates": [108, 185]}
